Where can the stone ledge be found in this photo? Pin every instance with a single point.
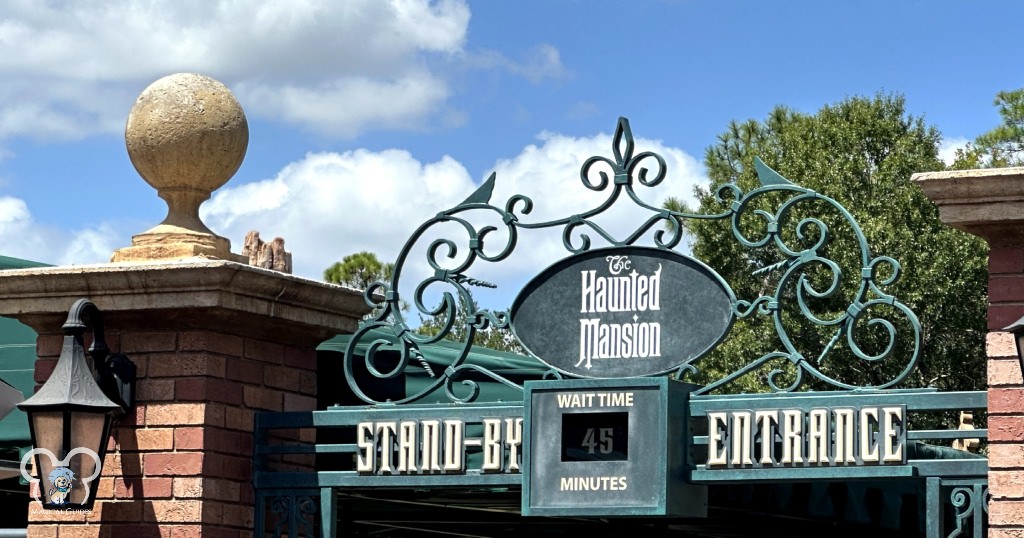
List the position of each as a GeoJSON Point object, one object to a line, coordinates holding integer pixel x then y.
{"type": "Point", "coordinates": [196, 293]}
{"type": "Point", "coordinates": [986, 202]}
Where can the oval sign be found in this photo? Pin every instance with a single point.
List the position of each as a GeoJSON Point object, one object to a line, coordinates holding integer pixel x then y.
{"type": "Point", "coordinates": [623, 312]}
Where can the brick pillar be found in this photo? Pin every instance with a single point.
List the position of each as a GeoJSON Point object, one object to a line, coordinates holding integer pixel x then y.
{"type": "Point", "coordinates": [989, 203]}
{"type": "Point", "coordinates": [213, 342]}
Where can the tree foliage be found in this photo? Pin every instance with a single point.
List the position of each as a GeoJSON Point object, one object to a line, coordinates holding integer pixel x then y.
{"type": "Point", "coordinates": [860, 152]}
{"type": "Point", "coordinates": [1004, 144]}
{"type": "Point", "coordinates": [678, 205]}
{"type": "Point", "coordinates": [362, 269]}
{"type": "Point", "coordinates": [491, 337]}
{"type": "Point", "coordinates": [359, 270]}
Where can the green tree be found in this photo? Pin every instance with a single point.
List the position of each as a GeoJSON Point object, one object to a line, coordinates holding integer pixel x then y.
{"type": "Point", "coordinates": [678, 205]}
{"type": "Point", "coordinates": [491, 337]}
{"type": "Point", "coordinates": [860, 152]}
{"type": "Point", "coordinates": [1004, 144]}
{"type": "Point", "coordinates": [359, 270]}
{"type": "Point", "coordinates": [362, 269]}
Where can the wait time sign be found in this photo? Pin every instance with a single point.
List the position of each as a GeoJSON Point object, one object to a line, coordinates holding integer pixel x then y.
{"type": "Point", "coordinates": [608, 448]}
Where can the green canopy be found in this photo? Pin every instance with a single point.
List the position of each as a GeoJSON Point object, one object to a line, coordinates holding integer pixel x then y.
{"type": "Point", "coordinates": [440, 355]}
{"type": "Point", "coordinates": [17, 368]}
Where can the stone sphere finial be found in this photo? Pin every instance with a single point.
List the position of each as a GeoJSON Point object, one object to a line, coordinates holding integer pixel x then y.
{"type": "Point", "coordinates": [186, 136]}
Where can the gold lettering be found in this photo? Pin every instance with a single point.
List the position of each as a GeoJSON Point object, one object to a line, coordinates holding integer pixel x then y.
{"type": "Point", "coordinates": [513, 439]}
{"type": "Point", "coordinates": [717, 453]}
{"type": "Point", "coordinates": [407, 446]}
{"type": "Point", "coordinates": [454, 459]}
{"type": "Point", "coordinates": [365, 442]}
{"type": "Point", "coordinates": [492, 445]}
{"type": "Point", "coordinates": [765, 419]}
{"type": "Point", "coordinates": [792, 438]}
{"type": "Point", "coordinates": [741, 434]}
{"type": "Point", "coordinates": [844, 446]}
{"type": "Point", "coordinates": [386, 440]}
{"type": "Point", "coordinates": [868, 441]}
{"type": "Point", "coordinates": [818, 436]}
{"type": "Point", "coordinates": [893, 450]}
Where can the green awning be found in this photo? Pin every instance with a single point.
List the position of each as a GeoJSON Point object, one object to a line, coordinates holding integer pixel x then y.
{"type": "Point", "coordinates": [440, 355]}
{"type": "Point", "coordinates": [7, 262]}
{"type": "Point", "coordinates": [17, 366]}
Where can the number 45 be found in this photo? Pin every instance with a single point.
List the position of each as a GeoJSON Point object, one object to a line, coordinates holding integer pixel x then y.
{"type": "Point", "coordinates": [601, 442]}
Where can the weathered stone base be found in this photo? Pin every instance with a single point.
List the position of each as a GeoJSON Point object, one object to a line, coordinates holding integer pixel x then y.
{"type": "Point", "coordinates": [176, 243]}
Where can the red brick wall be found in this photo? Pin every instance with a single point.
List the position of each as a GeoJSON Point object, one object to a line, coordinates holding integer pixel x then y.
{"type": "Point", "coordinates": [180, 465]}
{"type": "Point", "coordinates": [1005, 395]}
{"type": "Point", "coordinates": [1005, 286]}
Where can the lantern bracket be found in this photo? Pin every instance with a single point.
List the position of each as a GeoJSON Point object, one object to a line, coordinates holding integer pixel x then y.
{"type": "Point", "coordinates": [114, 373]}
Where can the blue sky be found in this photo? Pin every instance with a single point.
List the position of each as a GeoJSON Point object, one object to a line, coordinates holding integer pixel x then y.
{"type": "Point", "coordinates": [366, 117]}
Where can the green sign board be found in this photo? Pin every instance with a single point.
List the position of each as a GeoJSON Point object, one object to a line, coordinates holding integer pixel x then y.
{"type": "Point", "coordinates": [623, 312]}
{"type": "Point", "coordinates": [608, 448]}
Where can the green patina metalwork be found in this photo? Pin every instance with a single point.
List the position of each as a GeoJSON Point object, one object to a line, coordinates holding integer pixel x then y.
{"type": "Point", "coordinates": [292, 512]}
{"type": "Point", "coordinates": [923, 457]}
{"type": "Point", "coordinates": [968, 499]}
{"type": "Point", "coordinates": [802, 247]}
{"type": "Point", "coordinates": [942, 489]}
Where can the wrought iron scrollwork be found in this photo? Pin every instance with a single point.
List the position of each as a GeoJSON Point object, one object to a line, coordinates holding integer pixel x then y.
{"type": "Point", "coordinates": [876, 273]}
{"type": "Point", "coordinates": [968, 501]}
{"type": "Point", "coordinates": [388, 343]}
{"type": "Point", "coordinates": [293, 515]}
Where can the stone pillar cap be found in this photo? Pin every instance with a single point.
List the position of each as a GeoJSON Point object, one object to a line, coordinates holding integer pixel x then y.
{"type": "Point", "coordinates": [198, 293]}
{"type": "Point", "coordinates": [987, 202]}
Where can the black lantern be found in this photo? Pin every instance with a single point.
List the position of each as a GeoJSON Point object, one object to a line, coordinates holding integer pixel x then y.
{"type": "Point", "coordinates": [70, 415]}
{"type": "Point", "coordinates": [1018, 335]}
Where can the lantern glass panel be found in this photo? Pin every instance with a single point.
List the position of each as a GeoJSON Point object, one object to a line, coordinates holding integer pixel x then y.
{"type": "Point", "coordinates": [48, 427]}
{"type": "Point", "coordinates": [88, 430]}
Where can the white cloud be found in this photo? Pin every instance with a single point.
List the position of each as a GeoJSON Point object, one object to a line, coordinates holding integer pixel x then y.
{"type": "Point", "coordinates": [283, 39]}
{"type": "Point", "coordinates": [540, 63]}
{"type": "Point", "coordinates": [543, 62]}
{"type": "Point", "coordinates": [948, 147]}
{"type": "Point", "coordinates": [348, 106]}
{"type": "Point", "coordinates": [14, 215]}
{"type": "Point", "coordinates": [91, 246]}
{"type": "Point", "coordinates": [27, 239]}
{"type": "Point", "coordinates": [71, 69]}
{"type": "Point", "coordinates": [549, 173]}
{"type": "Point", "coordinates": [328, 205]}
